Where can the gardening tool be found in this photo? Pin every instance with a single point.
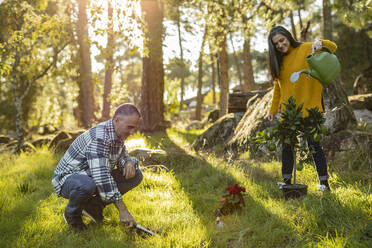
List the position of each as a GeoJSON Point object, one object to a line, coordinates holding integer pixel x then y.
{"type": "Point", "coordinates": [324, 66]}
{"type": "Point", "coordinates": [144, 230]}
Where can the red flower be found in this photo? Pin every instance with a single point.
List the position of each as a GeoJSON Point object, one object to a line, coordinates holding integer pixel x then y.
{"type": "Point", "coordinates": [235, 189]}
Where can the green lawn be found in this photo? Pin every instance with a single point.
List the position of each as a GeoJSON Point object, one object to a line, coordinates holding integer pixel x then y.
{"type": "Point", "coordinates": [180, 204]}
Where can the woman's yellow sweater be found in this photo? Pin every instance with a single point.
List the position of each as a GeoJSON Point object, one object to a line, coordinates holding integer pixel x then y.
{"type": "Point", "coordinates": [307, 89]}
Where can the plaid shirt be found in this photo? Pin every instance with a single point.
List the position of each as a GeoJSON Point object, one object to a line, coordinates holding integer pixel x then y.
{"type": "Point", "coordinates": [94, 153]}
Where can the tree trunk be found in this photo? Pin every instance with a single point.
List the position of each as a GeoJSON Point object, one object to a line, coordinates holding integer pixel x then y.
{"type": "Point", "coordinates": [152, 105]}
{"type": "Point", "coordinates": [304, 31]}
{"type": "Point", "coordinates": [339, 114]}
{"type": "Point", "coordinates": [237, 64]}
{"type": "Point", "coordinates": [200, 79]}
{"type": "Point", "coordinates": [300, 18]}
{"type": "Point", "coordinates": [247, 67]}
{"type": "Point", "coordinates": [182, 60]}
{"type": "Point", "coordinates": [327, 20]}
{"type": "Point", "coordinates": [109, 65]}
{"type": "Point", "coordinates": [85, 67]}
{"type": "Point", "coordinates": [294, 33]}
{"type": "Point", "coordinates": [213, 64]}
{"type": "Point", "coordinates": [224, 77]}
{"type": "Point", "coordinates": [17, 103]}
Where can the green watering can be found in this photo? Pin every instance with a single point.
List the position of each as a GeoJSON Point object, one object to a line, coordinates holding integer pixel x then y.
{"type": "Point", "coordinates": [324, 67]}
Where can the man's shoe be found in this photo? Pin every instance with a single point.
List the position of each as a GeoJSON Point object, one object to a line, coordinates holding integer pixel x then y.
{"type": "Point", "coordinates": [94, 212]}
{"type": "Point", "coordinates": [75, 222]}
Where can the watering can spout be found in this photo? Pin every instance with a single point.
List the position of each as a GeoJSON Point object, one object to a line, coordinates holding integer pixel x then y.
{"type": "Point", "coordinates": [324, 67]}
{"type": "Point", "coordinates": [296, 75]}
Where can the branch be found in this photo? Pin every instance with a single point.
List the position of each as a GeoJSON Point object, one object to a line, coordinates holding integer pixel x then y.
{"type": "Point", "coordinates": [45, 71]}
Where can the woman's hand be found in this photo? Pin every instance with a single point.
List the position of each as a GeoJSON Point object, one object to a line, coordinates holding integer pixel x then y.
{"type": "Point", "coordinates": [317, 45]}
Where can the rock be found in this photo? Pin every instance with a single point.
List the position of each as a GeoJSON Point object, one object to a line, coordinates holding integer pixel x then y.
{"type": "Point", "coordinates": [363, 83]}
{"type": "Point", "coordinates": [41, 141]}
{"type": "Point", "coordinates": [12, 147]}
{"type": "Point", "coordinates": [63, 139]}
{"type": "Point", "coordinates": [76, 133]}
{"type": "Point", "coordinates": [253, 121]}
{"type": "Point", "coordinates": [263, 86]}
{"type": "Point", "coordinates": [363, 115]}
{"type": "Point", "coordinates": [28, 147]}
{"type": "Point", "coordinates": [361, 101]}
{"type": "Point", "coordinates": [5, 139]}
{"type": "Point", "coordinates": [238, 101]}
{"type": "Point", "coordinates": [61, 135]}
{"type": "Point", "coordinates": [66, 136]}
{"type": "Point", "coordinates": [149, 156]}
{"type": "Point", "coordinates": [218, 134]}
{"type": "Point", "coordinates": [63, 145]}
{"type": "Point", "coordinates": [195, 124]}
{"type": "Point", "coordinates": [339, 114]}
{"type": "Point", "coordinates": [213, 115]}
{"type": "Point", "coordinates": [347, 140]}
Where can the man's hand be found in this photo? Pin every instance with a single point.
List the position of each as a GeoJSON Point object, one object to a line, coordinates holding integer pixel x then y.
{"type": "Point", "coordinates": [129, 170]}
{"type": "Point", "coordinates": [124, 215]}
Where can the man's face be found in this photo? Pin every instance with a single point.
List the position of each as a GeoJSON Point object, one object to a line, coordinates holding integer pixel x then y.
{"type": "Point", "coordinates": [281, 43]}
{"type": "Point", "coordinates": [126, 125]}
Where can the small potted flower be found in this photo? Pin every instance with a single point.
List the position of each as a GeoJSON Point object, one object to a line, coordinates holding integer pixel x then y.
{"type": "Point", "coordinates": [231, 200]}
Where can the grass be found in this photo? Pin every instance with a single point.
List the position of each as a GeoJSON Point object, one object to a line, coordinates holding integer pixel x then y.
{"type": "Point", "coordinates": [180, 203]}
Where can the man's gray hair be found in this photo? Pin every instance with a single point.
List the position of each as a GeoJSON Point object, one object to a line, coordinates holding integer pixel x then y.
{"type": "Point", "coordinates": [127, 109]}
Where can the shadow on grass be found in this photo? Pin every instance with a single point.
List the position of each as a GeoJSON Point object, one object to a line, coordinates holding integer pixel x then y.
{"type": "Point", "coordinates": [189, 137]}
{"type": "Point", "coordinates": [330, 214]}
{"type": "Point", "coordinates": [27, 224]}
{"type": "Point", "coordinates": [203, 185]}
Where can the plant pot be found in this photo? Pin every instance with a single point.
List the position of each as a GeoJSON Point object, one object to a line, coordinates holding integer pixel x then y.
{"type": "Point", "coordinates": [294, 190]}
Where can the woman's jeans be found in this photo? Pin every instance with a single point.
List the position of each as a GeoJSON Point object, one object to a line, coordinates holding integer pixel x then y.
{"type": "Point", "coordinates": [318, 156]}
{"type": "Point", "coordinates": [81, 189]}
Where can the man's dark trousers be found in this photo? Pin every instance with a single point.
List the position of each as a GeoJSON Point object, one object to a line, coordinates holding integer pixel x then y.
{"type": "Point", "coordinates": [81, 189]}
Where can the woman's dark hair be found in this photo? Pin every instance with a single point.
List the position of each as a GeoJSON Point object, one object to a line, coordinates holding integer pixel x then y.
{"type": "Point", "coordinates": [276, 57]}
{"type": "Point", "coordinates": [127, 109]}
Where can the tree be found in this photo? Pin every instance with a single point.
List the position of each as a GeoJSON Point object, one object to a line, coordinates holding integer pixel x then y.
{"type": "Point", "coordinates": [86, 89]}
{"type": "Point", "coordinates": [217, 25]}
{"type": "Point", "coordinates": [247, 23]}
{"type": "Point", "coordinates": [247, 66]}
{"type": "Point", "coordinates": [200, 78]}
{"type": "Point", "coordinates": [236, 61]}
{"type": "Point", "coordinates": [355, 14]}
{"type": "Point", "coordinates": [152, 105]}
{"type": "Point", "coordinates": [174, 12]}
{"type": "Point", "coordinates": [338, 109]}
{"type": "Point", "coordinates": [327, 20]}
{"type": "Point", "coordinates": [213, 65]}
{"type": "Point", "coordinates": [109, 63]}
{"type": "Point", "coordinates": [33, 38]}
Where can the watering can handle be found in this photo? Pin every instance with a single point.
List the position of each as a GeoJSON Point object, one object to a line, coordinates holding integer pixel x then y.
{"type": "Point", "coordinates": [325, 48]}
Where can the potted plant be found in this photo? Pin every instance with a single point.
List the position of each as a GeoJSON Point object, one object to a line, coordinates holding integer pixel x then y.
{"type": "Point", "coordinates": [231, 200]}
{"type": "Point", "coordinates": [293, 130]}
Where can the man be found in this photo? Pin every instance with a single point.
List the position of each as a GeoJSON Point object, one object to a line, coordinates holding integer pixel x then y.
{"type": "Point", "coordinates": [86, 174]}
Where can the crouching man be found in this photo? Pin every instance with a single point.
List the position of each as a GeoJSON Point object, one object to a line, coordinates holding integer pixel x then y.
{"type": "Point", "coordinates": [96, 170]}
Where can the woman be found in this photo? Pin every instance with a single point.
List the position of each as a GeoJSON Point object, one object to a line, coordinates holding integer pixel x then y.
{"type": "Point", "coordinates": [286, 55]}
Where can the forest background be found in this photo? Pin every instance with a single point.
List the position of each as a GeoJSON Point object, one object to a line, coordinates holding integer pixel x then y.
{"type": "Point", "coordinates": [65, 65]}
{"type": "Point", "coordinates": [68, 64]}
